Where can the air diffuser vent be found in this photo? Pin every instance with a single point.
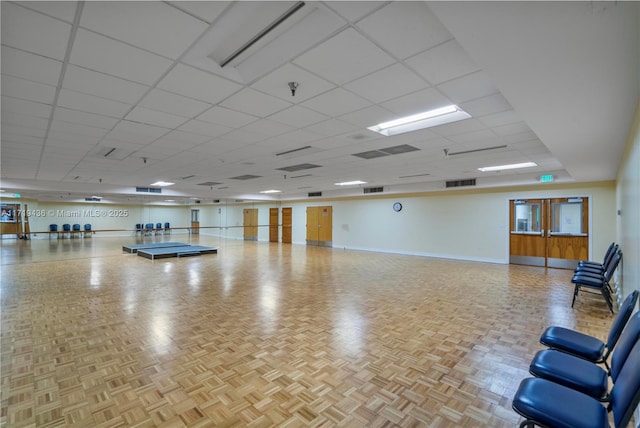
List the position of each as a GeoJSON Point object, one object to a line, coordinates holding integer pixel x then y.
{"type": "Point", "coordinates": [315, 194]}
{"type": "Point", "coordinates": [148, 190]}
{"type": "Point", "coordinates": [461, 183]}
{"type": "Point", "coordinates": [373, 189]}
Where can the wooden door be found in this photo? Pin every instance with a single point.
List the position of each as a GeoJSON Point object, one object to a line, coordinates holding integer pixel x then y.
{"type": "Point", "coordinates": [549, 232]}
{"type": "Point", "coordinates": [250, 223]}
{"type": "Point", "coordinates": [567, 232]}
{"type": "Point", "coordinates": [195, 222]}
{"type": "Point", "coordinates": [319, 226]}
{"type": "Point", "coordinates": [273, 225]}
{"type": "Point", "coordinates": [287, 224]}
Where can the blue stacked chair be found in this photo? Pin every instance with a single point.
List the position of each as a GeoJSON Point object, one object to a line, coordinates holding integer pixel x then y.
{"type": "Point", "coordinates": [582, 375]}
{"type": "Point", "coordinates": [167, 228]}
{"type": "Point", "coordinates": [53, 228]}
{"type": "Point", "coordinates": [66, 229]}
{"type": "Point", "coordinates": [76, 230]}
{"type": "Point", "coordinates": [159, 229]}
{"type": "Point", "coordinates": [548, 404]}
{"type": "Point", "coordinates": [87, 229]}
{"type": "Point", "coordinates": [598, 280]}
{"type": "Point", "coordinates": [585, 346]}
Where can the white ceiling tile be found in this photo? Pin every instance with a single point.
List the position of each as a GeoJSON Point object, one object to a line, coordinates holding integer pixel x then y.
{"type": "Point", "coordinates": [24, 120]}
{"type": "Point", "coordinates": [417, 102]}
{"type": "Point", "coordinates": [30, 67]}
{"type": "Point", "coordinates": [483, 135]}
{"type": "Point", "coordinates": [168, 102]}
{"type": "Point", "coordinates": [276, 83]}
{"type": "Point", "coordinates": [198, 84]}
{"type": "Point", "coordinates": [205, 128]}
{"type": "Point", "coordinates": [78, 129]}
{"type": "Point", "coordinates": [108, 56]}
{"type": "Point", "coordinates": [83, 102]}
{"type": "Point", "coordinates": [332, 127]}
{"type": "Point", "coordinates": [205, 10]}
{"type": "Point", "coordinates": [30, 108]}
{"type": "Point", "coordinates": [460, 127]}
{"type": "Point", "coordinates": [140, 129]}
{"type": "Point", "coordinates": [486, 105]}
{"type": "Point", "coordinates": [154, 26]}
{"type": "Point", "coordinates": [502, 118]}
{"type": "Point", "coordinates": [345, 57]}
{"type": "Point", "coordinates": [27, 90]}
{"type": "Point", "coordinates": [354, 10]}
{"type": "Point", "coordinates": [23, 29]}
{"type": "Point", "coordinates": [15, 132]}
{"type": "Point", "coordinates": [64, 10]}
{"type": "Point", "coordinates": [154, 117]}
{"type": "Point", "coordinates": [369, 116]}
{"type": "Point", "coordinates": [268, 127]}
{"type": "Point", "coordinates": [102, 85]}
{"type": "Point", "coordinates": [512, 129]}
{"type": "Point", "coordinates": [255, 103]}
{"type": "Point", "coordinates": [388, 83]}
{"type": "Point", "coordinates": [178, 136]}
{"type": "Point", "coordinates": [224, 116]}
{"type": "Point", "coordinates": [443, 62]}
{"type": "Point", "coordinates": [298, 117]}
{"type": "Point", "coordinates": [472, 86]}
{"type": "Point", "coordinates": [336, 102]}
{"type": "Point", "coordinates": [405, 28]}
{"type": "Point", "coordinates": [84, 118]}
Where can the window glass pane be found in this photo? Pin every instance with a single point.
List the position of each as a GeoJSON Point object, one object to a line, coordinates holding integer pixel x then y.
{"type": "Point", "coordinates": [567, 217]}
{"type": "Point", "coordinates": [527, 217]}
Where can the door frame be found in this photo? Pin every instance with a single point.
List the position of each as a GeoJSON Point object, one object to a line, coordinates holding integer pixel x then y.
{"type": "Point", "coordinates": [550, 195]}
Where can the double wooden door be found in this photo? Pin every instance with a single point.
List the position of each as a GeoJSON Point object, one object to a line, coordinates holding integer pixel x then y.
{"type": "Point", "coordinates": [550, 232]}
{"type": "Point", "coordinates": [319, 226]}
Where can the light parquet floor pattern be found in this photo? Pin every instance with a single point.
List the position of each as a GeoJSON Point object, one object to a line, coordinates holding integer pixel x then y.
{"type": "Point", "coordinates": [264, 335]}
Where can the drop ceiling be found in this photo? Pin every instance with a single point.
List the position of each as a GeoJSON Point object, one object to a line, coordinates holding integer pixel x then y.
{"type": "Point", "coordinates": [99, 98]}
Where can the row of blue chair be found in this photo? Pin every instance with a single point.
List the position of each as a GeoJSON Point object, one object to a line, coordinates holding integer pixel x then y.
{"type": "Point", "coordinates": [69, 230]}
{"type": "Point", "coordinates": [597, 276]}
{"type": "Point", "coordinates": [149, 229]}
{"type": "Point", "coordinates": [570, 389]}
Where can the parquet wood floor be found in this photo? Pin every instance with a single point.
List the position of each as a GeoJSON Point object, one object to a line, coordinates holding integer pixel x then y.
{"type": "Point", "coordinates": [263, 335]}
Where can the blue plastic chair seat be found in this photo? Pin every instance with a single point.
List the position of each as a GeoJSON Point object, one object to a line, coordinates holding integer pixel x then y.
{"type": "Point", "coordinates": [573, 342]}
{"type": "Point", "coordinates": [555, 405]}
{"type": "Point", "coordinates": [571, 371]}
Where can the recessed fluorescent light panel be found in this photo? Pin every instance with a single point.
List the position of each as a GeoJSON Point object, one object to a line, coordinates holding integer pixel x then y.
{"type": "Point", "coordinates": [162, 183]}
{"type": "Point", "coordinates": [271, 191]}
{"type": "Point", "coordinates": [510, 166]}
{"type": "Point", "coordinates": [350, 183]}
{"type": "Point", "coordinates": [427, 119]}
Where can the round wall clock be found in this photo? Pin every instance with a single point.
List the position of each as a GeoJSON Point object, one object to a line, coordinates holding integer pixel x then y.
{"type": "Point", "coordinates": [397, 206]}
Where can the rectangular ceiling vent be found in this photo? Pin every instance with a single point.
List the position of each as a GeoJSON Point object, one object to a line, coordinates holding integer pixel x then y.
{"type": "Point", "coordinates": [299, 167]}
{"type": "Point", "coordinates": [245, 177]}
{"type": "Point", "coordinates": [148, 190]}
{"type": "Point", "coordinates": [373, 189]}
{"type": "Point", "coordinates": [314, 194]}
{"type": "Point", "coordinates": [395, 150]}
{"type": "Point", "coordinates": [209, 183]}
{"type": "Point", "coordinates": [93, 199]}
{"type": "Point", "coordinates": [461, 183]}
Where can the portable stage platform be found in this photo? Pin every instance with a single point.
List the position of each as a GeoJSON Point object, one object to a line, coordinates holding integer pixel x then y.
{"type": "Point", "coordinates": [134, 248]}
{"type": "Point", "coordinates": [175, 251]}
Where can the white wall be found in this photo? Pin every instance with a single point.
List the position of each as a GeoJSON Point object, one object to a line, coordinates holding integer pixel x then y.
{"type": "Point", "coordinates": [628, 196]}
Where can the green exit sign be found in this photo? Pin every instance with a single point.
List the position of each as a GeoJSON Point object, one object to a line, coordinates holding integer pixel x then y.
{"type": "Point", "coordinates": [546, 178]}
